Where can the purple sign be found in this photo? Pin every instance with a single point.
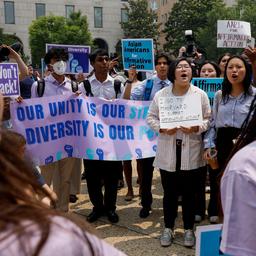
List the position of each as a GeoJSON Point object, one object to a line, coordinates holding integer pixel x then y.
{"type": "Point", "coordinates": [89, 128]}
{"type": "Point", "coordinates": [78, 57]}
{"type": "Point", "coordinates": [9, 79]}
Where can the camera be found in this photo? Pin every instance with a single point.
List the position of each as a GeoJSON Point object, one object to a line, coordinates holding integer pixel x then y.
{"type": "Point", "coordinates": [4, 51]}
{"type": "Point", "coordinates": [190, 44]}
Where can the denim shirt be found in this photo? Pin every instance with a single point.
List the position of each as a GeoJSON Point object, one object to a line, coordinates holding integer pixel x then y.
{"type": "Point", "coordinates": [137, 92]}
{"type": "Point", "coordinates": [229, 114]}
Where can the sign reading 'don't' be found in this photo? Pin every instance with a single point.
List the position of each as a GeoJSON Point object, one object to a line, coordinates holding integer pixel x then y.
{"type": "Point", "coordinates": [233, 33]}
{"type": "Point", "coordinates": [9, 79]}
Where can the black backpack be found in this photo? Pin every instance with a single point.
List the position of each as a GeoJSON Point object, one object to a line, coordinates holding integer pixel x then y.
{"type": "Point", "coordinates": [41, 87]}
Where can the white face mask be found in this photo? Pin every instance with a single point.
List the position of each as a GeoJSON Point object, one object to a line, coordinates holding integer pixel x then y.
{"type": "Point", "coordinates": [59, 67]}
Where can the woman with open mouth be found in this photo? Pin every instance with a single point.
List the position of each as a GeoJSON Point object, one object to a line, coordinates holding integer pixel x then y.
{"type": "Point", "coordinates": [179, 153]}
{"type": "Point", "coordinates": [230, 109]}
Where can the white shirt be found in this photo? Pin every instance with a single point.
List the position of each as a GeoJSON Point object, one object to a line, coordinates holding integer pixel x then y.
{"type": "Point", "coordinates": [238, 197]}
{"type": "Point", "coordinates": [52, 87]}
{"type": "Point", "coordinates": [192, 145]}
{"type": "Point", "coordinates": [103, 89]}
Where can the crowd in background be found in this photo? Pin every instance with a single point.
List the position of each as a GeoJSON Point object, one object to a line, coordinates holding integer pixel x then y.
{"type": "Point", "coordinates": [186, 157]}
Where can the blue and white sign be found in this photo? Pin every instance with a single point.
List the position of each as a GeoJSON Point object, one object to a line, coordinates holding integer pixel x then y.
{"type": "Point", "coordinates": [208, 240]}
{"type": "Point", "coordinates": [78, 57]}
{"type": "Point", "coordinates": [138, 53]}
{"type": "Point", "coordinates": [208, 85]}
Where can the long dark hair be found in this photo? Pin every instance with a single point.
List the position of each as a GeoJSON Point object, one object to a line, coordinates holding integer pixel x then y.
{"type": "Point", "coordinates": [19, 208]}
{"type": "Point", "coordinates": [227, 86]}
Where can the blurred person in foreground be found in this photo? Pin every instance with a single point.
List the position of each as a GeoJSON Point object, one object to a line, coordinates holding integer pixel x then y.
{"type": "Point", "coordinates": [28, 227]}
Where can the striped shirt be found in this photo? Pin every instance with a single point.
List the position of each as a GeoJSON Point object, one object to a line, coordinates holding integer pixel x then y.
{"type": "Point", "coordinates": [192, 144]}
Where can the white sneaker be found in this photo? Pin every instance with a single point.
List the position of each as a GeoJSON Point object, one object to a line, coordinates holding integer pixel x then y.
{"type": "Point", "coordinates": [214, 219]}
{"type": "Point", "coordinates": [198, 218]}
{"type": "Point", "coordinates": [189, 238]}
{"type": "Point", "coordinates": [166, 237]}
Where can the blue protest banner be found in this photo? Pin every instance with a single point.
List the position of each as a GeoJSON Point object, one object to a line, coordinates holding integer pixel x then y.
{"type": "Point", "coordinates": [78, 61]}
{"type": "Point", "coordinates": [209, 85]}
{"type": "Point", "coordinates": [9, 79]}
{"type": "Point", "coordinates": [208, 240]}
{"type": "Point", "coordinates": [139, 53]}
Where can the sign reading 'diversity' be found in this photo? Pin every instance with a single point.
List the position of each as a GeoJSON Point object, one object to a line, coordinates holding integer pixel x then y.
{"type": "Point", "coordinates": [78, 57]}
{"type": "Point", "coordinates": [208, 85]}
{"type": "Point", "coordinates": [233, 33]}
{"type": "Point", "coordinates": [9, 79]}
{"type": "Point", "coordinates": [90, 128]}
{"type": "Point", "coordinates": [180, 111]}
{"type": "Point", "coordinates": [139, 53]}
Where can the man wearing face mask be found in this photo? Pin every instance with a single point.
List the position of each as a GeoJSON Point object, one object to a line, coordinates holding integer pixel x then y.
{"type": "Point", "coordinates": [57, 84]}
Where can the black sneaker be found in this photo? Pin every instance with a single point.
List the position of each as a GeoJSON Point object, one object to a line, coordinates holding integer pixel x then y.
{"type": "Point", "coordinates": [144, 213]}
{"type": "Point", "coordinates": [112, 216]}
{"type": "Point", "coordinates": [93, 216]}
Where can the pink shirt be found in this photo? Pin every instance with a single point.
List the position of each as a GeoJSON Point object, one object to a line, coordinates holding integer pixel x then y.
{"type": "Point", "coordinates": [238, 194]}
{"type": "Point", "coordinates": [65, 239]}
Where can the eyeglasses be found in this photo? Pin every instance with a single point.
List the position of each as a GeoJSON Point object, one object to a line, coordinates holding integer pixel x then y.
{"type": "Point", "coordinates": [102, 58]}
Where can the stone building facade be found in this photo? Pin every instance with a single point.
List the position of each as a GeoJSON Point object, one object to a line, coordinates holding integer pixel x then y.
{"type": "Point", "coordinates": [104, 17]}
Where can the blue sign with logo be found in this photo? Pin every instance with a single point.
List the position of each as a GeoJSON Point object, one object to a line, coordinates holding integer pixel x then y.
{"type": "Point", "coordinates": [78, 57]}
{"type": "Point", "coordinates": [138, 53]}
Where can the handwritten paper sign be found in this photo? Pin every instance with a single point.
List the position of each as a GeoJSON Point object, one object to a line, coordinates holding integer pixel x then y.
{"type": "Point", "coordinates": [9, 79]}
{"type": "Point", "coordinates": [139, 53]}
{"type": "Point", "coordinates": [180, 111]}
{"type": "Point", "coordinates": [233, 33]}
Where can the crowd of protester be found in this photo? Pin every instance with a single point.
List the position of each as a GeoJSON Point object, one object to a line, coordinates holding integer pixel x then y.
{"type": "Point", "coordinates": [30, 195]}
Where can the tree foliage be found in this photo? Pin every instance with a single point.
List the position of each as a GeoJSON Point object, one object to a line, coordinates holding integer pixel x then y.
{"type": "Point", "coordinates": [201, 16]}
{"type": "Point", "coordinates": [186, 15]}
{"type": "Point", "coordinates": [59, 30]}
{"type": "Point", "coordinates": [244, 10]}
{"type": "Point", "coordinates": [141, 21]}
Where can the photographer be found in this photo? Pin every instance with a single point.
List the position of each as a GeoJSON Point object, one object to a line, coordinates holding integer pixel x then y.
{"type": "Point", "coordinates": [191, 52]}
{"type": "Point", "coordinates": [11, 52]}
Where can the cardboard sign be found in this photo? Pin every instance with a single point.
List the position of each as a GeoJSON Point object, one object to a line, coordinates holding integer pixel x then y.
{"type": "Point", "coordinates": [233, 33]}
{"type": "Point", "coordinates": [9, 79]}
{"type": "Point", "coordinates": [180, 111]}
{"type": "Point", "coordinates": [139, 53]}
{"type": "Point", "coordinates": [78, 57]}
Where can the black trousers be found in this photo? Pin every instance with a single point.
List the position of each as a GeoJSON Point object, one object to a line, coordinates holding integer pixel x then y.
{"type": "Point", "coordinates": [99, 174]}
{"type": "Point", "coordinates": [179, 183]}
{"type": "Point", "coordinates": [146, 165]}
{"type": "Point", "coordinates": [200, 204]}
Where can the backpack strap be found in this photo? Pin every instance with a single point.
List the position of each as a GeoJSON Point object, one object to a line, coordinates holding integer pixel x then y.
{"type": "Point", "coordinates": [40, 88]}
{"type": "Point", "coordinates": [74, 86]}
{"type": "Point", "coordinates": [148, 89]}
{"type": "Point", "coordinates": [87, 87]}
{"type": "Point", "coordinates": [117, 86]}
